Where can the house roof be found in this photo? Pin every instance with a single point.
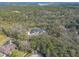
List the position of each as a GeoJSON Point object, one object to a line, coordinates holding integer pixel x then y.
{"type": "Point", "coordinates": [36, 30]}
{"type": "Point", "coordinates": [6, 49]}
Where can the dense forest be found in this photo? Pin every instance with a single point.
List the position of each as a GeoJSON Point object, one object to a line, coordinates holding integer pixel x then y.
{"type": "Point", "coordinates": [60, 23]}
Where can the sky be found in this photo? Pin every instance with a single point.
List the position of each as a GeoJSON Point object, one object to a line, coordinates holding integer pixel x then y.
{"type": "Point", "coordinates": [39, 0]}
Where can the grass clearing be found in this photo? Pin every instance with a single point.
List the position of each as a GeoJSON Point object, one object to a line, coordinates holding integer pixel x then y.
{"type": "Point", "coordinates": [17, 53]}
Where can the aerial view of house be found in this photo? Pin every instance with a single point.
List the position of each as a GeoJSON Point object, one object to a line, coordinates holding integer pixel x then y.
{"type": "Point", "coordinates": [39, 29]}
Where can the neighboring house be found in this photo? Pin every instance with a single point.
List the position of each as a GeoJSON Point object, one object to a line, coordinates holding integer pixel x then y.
{"type": "Point", "coordinates": [6, 49]}
{"type": "Point", "coordinates": [36, 31]}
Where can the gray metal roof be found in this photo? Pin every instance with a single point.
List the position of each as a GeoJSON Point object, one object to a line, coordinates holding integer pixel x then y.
{"type": "Point", "coordinates": [37, 30]}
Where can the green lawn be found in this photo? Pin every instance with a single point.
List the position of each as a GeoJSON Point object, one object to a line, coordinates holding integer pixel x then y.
{"type": "Point", "coordinates": [18, 53]}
